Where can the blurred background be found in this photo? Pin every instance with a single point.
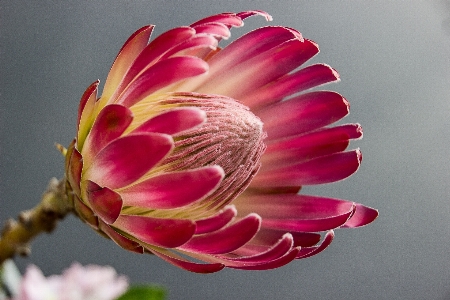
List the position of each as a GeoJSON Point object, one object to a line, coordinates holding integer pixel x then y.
{"type": "Point", "coordinates": [394, 62]}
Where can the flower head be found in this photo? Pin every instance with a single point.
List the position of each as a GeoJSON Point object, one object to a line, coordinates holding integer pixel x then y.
{"type": "Point", "coordinates": [197, 152]}
{"type": "Point", "coordinates": [76, 283]}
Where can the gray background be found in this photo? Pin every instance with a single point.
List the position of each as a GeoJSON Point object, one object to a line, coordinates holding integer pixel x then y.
{"type": "Point", "coordinates": [394, 61]}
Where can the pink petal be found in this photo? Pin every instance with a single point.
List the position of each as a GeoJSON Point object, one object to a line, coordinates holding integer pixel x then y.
{"type": "Point", "coordinates": [272, 264]}
{"type": "Point", "coordinates": [252, 44]}
{"type": "Point", "coordinates": [106, 203]}
{"type": "Point", "coordinates": [269, 236]}
{"type": "Point", "coordinates": [245, 14]}
{"type": "Point", "coordinates": [187, 265]}
{"type": "Point", "coordinates": [303, 113]}
{"type": "Point", "coordinates": [307, 252]}
{"type": "Point", "coordinates": [173, 190]}
{"type": "Point", "coordinates": [279, 249]}
{"type": "Point", "coordinates": [192, 46]}
{"type": "Point", "coordinates": [307, 225]}
{"type": "Point", "coordinates": [227, 239]}
{"type": "Point", "coordinates": [74, 170]}
{"type": "Point", "coordinates": [270, 256]}
{"type": "Point", "coordinates": [290, 84]}
{"type": "Point", "coordinates": [85, 113]}
{"type": "Point", "coordinates": [167, 233]}
{"type": "Point", "coordinates": [306, 147]}
{"type": "Point", "coordinates": [363, 215]}
{"type": "Point", "coordinates": [68, 153]}
{"type": "Point", "coordinates": [295, 156]}
{"type": "Point", "coordinates": [126, 159]}
{"type": "Point", "coordinates": [85, 213]}
{"type": "Point", "coordinates": [238, 80]}
{"type": "Point", "coordinates": [120, 240]}
{"type": "Point", "coordinates": [160, 75]}
{"type": "Point", "coordinates": [154, 51]}
{"type": "Point", "coordinates": [215, 29]}
{"type": "Point", "coordinates": [243, 49]}
{"type": "Point", "coordinates": [173, 121]}
{"type": "Point", "coordinates": [298, 212]}
{"type": "Point", "coordinates": [217, 221]}
{"type": "Point", "coordinates": [87, 95]}
{"type": "Point", "coordinates": [324, 169]}
{"type": "Point", "coordinates": [110, 123]}
{"type": "Point", "coordinates": [292, 206]}
{"type": "Point", "coordinates": [129, 52]}
{"type": "Point", "coordinates": [227, 19]}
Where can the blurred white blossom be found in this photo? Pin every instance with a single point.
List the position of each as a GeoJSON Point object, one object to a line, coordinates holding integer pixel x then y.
{"type": "Point", "coordinates": [76, 283]}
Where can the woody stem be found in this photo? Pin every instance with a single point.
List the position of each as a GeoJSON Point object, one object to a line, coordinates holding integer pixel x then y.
{"type": "Point", "coordinates": [16, 236]}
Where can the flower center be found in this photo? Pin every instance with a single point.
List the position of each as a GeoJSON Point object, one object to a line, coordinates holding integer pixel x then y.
{"type": "Point", "coordinates": [232, 137]}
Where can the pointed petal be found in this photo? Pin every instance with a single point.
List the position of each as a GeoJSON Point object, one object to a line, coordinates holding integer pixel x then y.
{"type": "Point", "coordinates": [227, 19]}
{"type": "Point", "coordinates": [215, 29]}
{"type": "Point", "coordinates": [363, 215]}
{"type": "Point", "coordinates": [303, 113]}
{"type": "Point", "coordinates": [167, 233]}
{"type": "Point", "coordinates": [245, 14]}
{"type": "Point", "coordinates": [192, 46]}
{"type": "Point", "coordinates": [251, 45]}
{"type": "Point", "coordinates": [106, 203]}
{"type": "Point", "coordinates": [274, 263]}
{"type": "Point", "coordinates": [298, 212]}
{"type": "Point", "coordinates": [85, 99]}
{"type": "Point", "coordinates": [245, 48]}
{"type": "Point", "coordinates": [187, 265]}
{"type": "Point", "coordinates": [227, 239]}
{"type": "Point", "coordinates": [267, 256]}
{"type": "Point", "coordinates": [130, 50]}
{"type": "Point", "coordinates": [160, 75]}
{"type": "Point", "coordinates": [307, 225]}
{"type": "Point", "coordinates": [173, 121]}
{"type": "Point", "coordinates": [153, 52]}
{"type": "Point", "coordinates": [217, 221]}
{"type": "Point", "coordinates": [110, 123]}
{"type": "Point", "coordinates": [126, 159]}
{"type": "Point", "coordinates": [321, 170]}
{"type": "Point", "coordinates": [307, 252]}
{"type": "Point", "coordinates": [313, 141]}
{"type": "Point", "coordinates": [279, 249]}
{"type": "Point", "coordinates": [259, 70]}
{"type": "Point", "coordinates": [85, 213]}
{"type": "Point", "coordinates": [269, 236]}
{"type": "Point", "coordinates": [74, 170]}
{"type": "Point", "coordinates": [85, 113]}
{"type": "Point", "coordinates": [290, 84]}
{"type": "Point", "coordinates": [294, 206]}
{"type": "Point", "coordinates": [68, 153]}
{"type": "Point", "coordinates": [173, 190]}
{"type": "Point", "coordinates": [120, 240]}
{"type": "Point", "coordinates": [308, 146]}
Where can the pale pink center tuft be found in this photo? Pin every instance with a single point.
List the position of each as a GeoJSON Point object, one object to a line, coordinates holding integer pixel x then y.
{"type": "Point", "coordinates": [232, 137]}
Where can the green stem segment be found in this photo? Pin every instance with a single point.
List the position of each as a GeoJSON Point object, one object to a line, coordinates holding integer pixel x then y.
{"type": "Point", "coordinates": [16, 236]}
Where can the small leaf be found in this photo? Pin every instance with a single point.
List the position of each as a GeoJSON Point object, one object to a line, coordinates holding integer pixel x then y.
{"type": "Point", "coordinates": [143, 292]}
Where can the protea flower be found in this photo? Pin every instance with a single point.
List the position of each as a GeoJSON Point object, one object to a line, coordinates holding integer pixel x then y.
{"type": "Point", "coordinates": [197, 154]}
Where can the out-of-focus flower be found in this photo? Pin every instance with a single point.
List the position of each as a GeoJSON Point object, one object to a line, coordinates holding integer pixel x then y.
{"type": "Point", "coordinates": [76, 283]}
{"type": "Point", "coordinates": [196, 151]}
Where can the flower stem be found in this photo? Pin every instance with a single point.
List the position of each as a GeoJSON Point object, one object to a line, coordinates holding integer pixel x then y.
{"type": "Point", "coordinates": [16, 236]}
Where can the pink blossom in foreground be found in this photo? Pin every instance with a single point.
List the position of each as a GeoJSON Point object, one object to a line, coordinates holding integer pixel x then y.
{"type": "Point", "coordinates": [76, 283]}
{"type": "Point", "coordinates": [196, 152]}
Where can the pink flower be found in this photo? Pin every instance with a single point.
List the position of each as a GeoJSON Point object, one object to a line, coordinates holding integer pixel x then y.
{"type": "Point", "coordinates": [76, 283]}
{"type": "Point", "coordinates": [193, 151]}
